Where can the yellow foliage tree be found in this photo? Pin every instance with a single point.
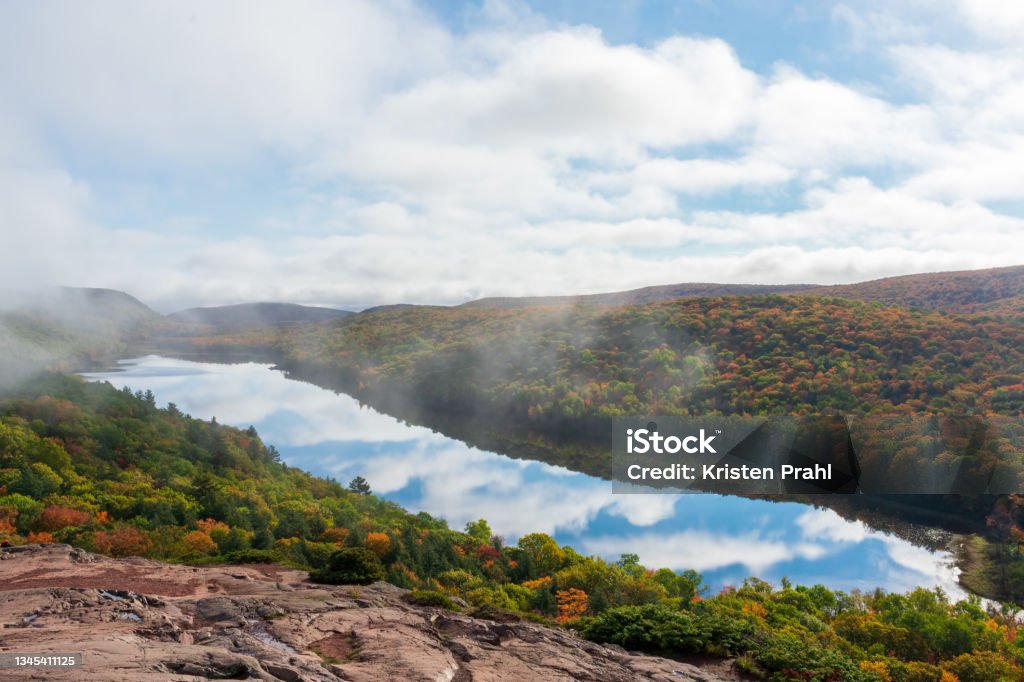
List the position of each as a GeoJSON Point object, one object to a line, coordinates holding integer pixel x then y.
{"type": "Point", "coordinates": [335, 535]}
{"type": "Point", "coordinates": [879, 668]}
{"type": "Point", "coordinates": [378, 543]}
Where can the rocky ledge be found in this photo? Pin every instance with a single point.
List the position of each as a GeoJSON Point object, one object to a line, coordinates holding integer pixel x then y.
{"type": "Point", "coordinates": [134, 619]}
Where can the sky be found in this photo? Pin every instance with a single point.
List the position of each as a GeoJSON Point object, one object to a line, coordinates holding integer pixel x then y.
{"type": "Point", "coordinates": [353, 153]}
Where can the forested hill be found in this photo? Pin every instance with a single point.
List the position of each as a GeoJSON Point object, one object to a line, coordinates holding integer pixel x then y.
{"type": "Point", "coordinates": [111, 472]}
{"type": "Point", "coordinates": [550, 367]}
{"type": "Point", "coordinates": [998, 291]}
{"type": "Point", "coordinates": [249, 315]}
{"type": "Point", "coordinates": [643, 295]}
{"type": "Point", "coordinates": [68, 328]}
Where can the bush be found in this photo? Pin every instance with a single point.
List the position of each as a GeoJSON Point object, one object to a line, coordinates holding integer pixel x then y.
{"type": "Point", "coordinates": [787, 655]}
{"type": "Point", "coordinates": [318, 554]}
{"type": "Point", "coordinates": [430, 598]}
{"type": "Point", "coordinates": [650, 627]}
{"type": "Point", "coordinates": [350, 566]}
{"type": "Point", "coordinates": [253, 556]}
{"type": "Point", "coordinates": [983, 666]}
{"type": "Point", "coordinates": [55, 518]}
{"type": "Point", "coordinates": [490, 596]}
{"type": "Point", "coordinates": [122, 542]}
{"type": "Point", "coordinates": [729, 633]}
{"type": "Point", "coordinates": [914, 671]}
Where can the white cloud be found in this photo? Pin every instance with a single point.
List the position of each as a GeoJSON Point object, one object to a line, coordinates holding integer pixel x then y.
{"type": "Point", "coordinates": [193, 82]}
{"type": "Point", "coordinates": [994, 18]}
{"type": "Point", "coordinates": [426, 165]}
{"type": "Point", "coordinates": [815, 123]}
{"type": "Point", "coordinates": [569, 92]}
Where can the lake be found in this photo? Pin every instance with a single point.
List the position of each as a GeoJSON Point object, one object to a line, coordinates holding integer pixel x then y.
{"type": "Point", "coordinates": [725, 538]}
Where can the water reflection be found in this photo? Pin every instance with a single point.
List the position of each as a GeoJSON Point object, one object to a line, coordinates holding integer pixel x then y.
{"type": "Point", "coordinates": [725, 538]}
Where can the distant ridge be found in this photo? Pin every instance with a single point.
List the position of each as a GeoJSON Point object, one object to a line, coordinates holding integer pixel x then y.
{"type": "Point", "coordinates": [101, 306]}
{"type": "Point", "coordinates": [643, 295]}
{"type": "Point", "coordinates": [80, 309]}
{"type": "Point", "coordinates": [995, 291]}
{"type": "Point", "coordinates": [67, 328]}
{"type": "Point", "coordinates": [245, 315]}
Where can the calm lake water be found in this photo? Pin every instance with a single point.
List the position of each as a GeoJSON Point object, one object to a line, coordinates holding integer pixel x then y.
{"type": "Point", "coordinates": [725, 538]}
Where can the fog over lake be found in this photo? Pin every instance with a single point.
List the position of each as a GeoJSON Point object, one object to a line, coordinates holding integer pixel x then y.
{"type": "Point", "coordinates": [725, 538]}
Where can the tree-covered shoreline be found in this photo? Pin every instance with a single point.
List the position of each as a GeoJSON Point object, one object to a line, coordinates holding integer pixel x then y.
{"type": "Point", "coordinates": [108, 470]}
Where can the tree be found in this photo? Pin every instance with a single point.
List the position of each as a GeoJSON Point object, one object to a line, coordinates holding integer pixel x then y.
{"type": "Point", "coordinates": [479, 530]}
{"type": "Point", "coordinates": [543, 555]}
{"type": "Point", "coordinates": [378, 543]}
{"type": "Point", "coordinates": [350, 566]}
{"type": "Point", "coordinates": [55, 518]}
{"type": "Point", "coordinates": [572, 604]}
{"type": "Point", "coordinates": [359, 485]}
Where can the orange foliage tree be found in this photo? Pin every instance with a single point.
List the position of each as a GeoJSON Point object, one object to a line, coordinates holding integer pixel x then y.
{"type": "Point", "coordinates": [378, 543]}
{"type": "Point", "coordinates": [55, 518]}
{"type": "Point", "coordinates": [572, 603]}
{"type": "Point", "coordinates": [335, 535]}
{"type": "Point", "coordinates": [210, 525]}
{"type": "Point", "coordinates": [198, 542]}
{"type": "Point", "coordinates": [122, 542]}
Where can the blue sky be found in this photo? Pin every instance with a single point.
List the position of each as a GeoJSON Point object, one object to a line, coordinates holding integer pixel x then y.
{"type": "Point", "coordinates": [356, 153]}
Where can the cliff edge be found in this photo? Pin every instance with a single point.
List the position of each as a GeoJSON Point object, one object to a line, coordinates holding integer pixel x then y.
{"type": "Point", "coordinates": [135, 619]}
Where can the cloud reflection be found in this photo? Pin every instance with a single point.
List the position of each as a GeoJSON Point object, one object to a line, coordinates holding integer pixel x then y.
{"type": "Point", "coordinates": [704, 550]}
{"type": "Point", "coordinates": [332, 435]}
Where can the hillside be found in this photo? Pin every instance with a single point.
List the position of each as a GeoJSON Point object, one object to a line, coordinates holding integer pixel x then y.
{"type": "Point", "coordinates": [997, 291]}
{"type": "Point", "coordinates": [644, 295]}
{"type": "Point", "coordinates": [109, 472]}
{"type": "Point", "coordinates": [98, 309]}
{"type": "Point", "coordinates": [249, 315]}
{"type": "Point", "coordinates": [548, 367]}
{"type": "Point", "coordinates": [68, 328]}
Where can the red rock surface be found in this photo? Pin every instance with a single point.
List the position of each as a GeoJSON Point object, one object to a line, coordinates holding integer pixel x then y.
{"type": "Point", "coordinates": [135, 619]}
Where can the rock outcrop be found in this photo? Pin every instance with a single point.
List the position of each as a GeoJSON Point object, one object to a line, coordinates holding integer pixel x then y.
{"type": "Point", "coordinates": [134, 619]}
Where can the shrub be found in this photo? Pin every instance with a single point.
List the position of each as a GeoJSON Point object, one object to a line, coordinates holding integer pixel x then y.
{"type": "Point", "coordinates": [729, 634]}
{"type": "Point", "coordinates": [914, 671]}
{"type": "Point", "coordinates": [787, 656]}
{"type": "Point", "coordinates": [337, 536]}
{"type": "Point", "coordinates": [490, 596]}
{"type": "Point", "coordinates": [253, 556]}
{"type": "Point", "coordinates": [41, 538]}
{"type": "Point", "coordinates": [983, 666]}
{"type": "Point", "coordinates": [350, 566]}
{"type": "Point", "coordinates": [55, 518]}
{"type": "Point", "coordinates": [430, 598]}
{"type": "Point", "coordinates": [378, 543]}
{"type": "Point", "coordinates": [198, 543]}
{"type": "Point", "coordinates": [126, 541]}
{"type": "Point", "coordinates": [318, 554]}
{"type": "Point", "coordinates": [650, 627]}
